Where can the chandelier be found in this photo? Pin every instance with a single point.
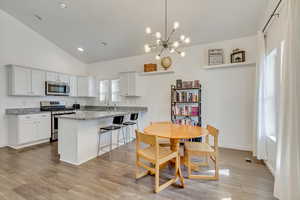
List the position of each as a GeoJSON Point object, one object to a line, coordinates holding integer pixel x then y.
{"type": "Point", "coordinates": [166, 43]}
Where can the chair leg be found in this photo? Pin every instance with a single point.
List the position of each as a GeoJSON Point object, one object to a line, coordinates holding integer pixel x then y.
{"type": "Point", "coordinates": [99, 144]}
{"type": "Point", "coordinates": [110, 145]}
{"type": "Point", "coordinates": [118, 138]}
{"type": "Point", "coordinates": [157, 178]}
{"type": "Point", "coordinates": [188, 157]}
{"type": "Point", "coordinates": [124, 138]}
{"type": "Point", "coordinates": [217, 168]}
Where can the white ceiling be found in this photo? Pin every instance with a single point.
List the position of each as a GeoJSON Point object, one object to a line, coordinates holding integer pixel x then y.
{"type": "Point", "coordinates": [121, 23]}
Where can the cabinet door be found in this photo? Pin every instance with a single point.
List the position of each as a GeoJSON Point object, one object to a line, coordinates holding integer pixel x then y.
{"type": "Point", "coordinates": [52, 76]}
{"type": "Point", "coordinates": [124, 84]}
{"type": "Point", "coordinates": [64, 78]}
{"type": "Point", "coordinates": [131, 84]}
{"type": "Point", "coordinates": [43, 127]}
{"type": "Point", "coordinates": [27, 130]}
{"type": "Point", "coordinates": [38, 79]}
{"type": "Point", "coordinates": [82, 86]}
{"type": "Point", "coordinates": [20, 81]}
{"type": "Point", "coordinates": [86, 87]}
{"type": "Point", "coordinates": [73, 86]}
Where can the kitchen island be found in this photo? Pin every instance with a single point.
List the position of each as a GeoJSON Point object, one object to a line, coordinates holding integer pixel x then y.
{"type": "Point", "coordinates": [78, 135]}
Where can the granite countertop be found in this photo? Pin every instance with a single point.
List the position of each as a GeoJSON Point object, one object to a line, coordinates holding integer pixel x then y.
{"type": "Point", "coordinates": [126, 109]}
{"type": "Point", "coordinates": [24, 111]}
{"type": "Point", "coordinates": [92, 115]}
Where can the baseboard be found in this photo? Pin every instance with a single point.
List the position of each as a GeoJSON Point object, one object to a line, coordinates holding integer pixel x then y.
{"type": "Point", "coordinates": [29, 144]}
{"type": "Point", "coordinates": [236, 147]}
{"type": "Point", "coordinates": [270, 167]}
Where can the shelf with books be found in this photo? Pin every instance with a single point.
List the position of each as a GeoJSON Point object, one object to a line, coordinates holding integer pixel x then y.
{"type": "Point", "coordinates": [186, 103]}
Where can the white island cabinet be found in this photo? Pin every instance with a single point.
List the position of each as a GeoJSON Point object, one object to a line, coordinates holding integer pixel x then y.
{"type": "Point", "coordinates": [78, 138]}
{"type": "Point", "coordinates": [27, 130]}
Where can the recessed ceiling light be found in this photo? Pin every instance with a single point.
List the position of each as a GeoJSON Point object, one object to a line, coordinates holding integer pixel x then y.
{"type": "Point", "coordinates": [103, 44]}
{"type": "Point", "coordinates": [80, 49]}
{"type": "Point", "coordinates": [63, 5]}
{"type": "Point", "coordinates": [38, 17]}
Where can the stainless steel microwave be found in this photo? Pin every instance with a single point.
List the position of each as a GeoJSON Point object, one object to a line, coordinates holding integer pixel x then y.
{"type": "Point", "coordinates": [57, 89]}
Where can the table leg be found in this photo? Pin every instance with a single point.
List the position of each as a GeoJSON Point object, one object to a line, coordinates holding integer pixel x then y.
{"type": "Point", "coordinates": [175, 147]}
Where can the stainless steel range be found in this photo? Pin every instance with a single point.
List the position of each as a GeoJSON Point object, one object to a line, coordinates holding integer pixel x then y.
{"type": "Point", "coordinates": [56, 108]}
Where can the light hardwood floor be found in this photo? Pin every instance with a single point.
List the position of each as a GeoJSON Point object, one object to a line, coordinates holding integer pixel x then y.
{"type": "Point", "coordinates": [37, 174]}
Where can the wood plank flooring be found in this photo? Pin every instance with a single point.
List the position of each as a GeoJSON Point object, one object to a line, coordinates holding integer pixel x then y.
{"type": "Point", "coordinates": [37, 174]}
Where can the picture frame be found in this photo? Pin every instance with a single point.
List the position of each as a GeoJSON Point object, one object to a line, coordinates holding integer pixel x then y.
{"type": "Point", "coordinates": [215, 56]}
{"type": "Point", "coordinates": [238, 56]}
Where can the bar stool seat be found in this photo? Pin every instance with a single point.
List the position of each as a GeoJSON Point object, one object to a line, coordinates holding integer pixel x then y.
{"type": "Point", "coordinates": [116, 125]}
{"type": "Point", "coordinates": [129, 123]}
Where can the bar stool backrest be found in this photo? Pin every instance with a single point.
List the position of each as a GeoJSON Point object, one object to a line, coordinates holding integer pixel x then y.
{"type": "Point", "coordinates": [134, 116]}
{"type": "Point", "coordinates": [118, 120]}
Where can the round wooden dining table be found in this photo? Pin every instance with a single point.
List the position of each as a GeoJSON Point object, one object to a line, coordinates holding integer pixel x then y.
{"type": "Point", "coordinates": [175, 132]}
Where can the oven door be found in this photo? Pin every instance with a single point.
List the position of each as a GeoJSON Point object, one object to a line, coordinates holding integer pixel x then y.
{"type": "Point", "coordinates": [54, 134]}
{"type": "Point", "coordinates": [57, 89]}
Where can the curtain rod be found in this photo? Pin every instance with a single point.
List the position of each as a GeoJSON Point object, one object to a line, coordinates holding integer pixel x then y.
{"type": "Point", "coordinates": [274, 13]}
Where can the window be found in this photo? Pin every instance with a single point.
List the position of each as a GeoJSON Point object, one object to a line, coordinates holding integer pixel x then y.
{"type": "Point", "coordinates": [104, 91]}
{"type": "Point", "coordinates": [109, 91]}
{"type": "Point", "coordinates": [115, 91]}
{"type": "Point", "coordinates": [270, 94]}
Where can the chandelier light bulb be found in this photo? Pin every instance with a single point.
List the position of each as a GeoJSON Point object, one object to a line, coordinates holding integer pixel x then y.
{"type": "Point", "coordinates": [147, 48]}
{"type": "Point", "coordinates": [176, 25]}
{"type": "Point", "coordinates": [187, 40]}
{"type": "Point", "coordinates": [157, 57]}
{"type": "Point", "coordinates": [172, 50]}
{"type": "Point", "coordinates": [176, 44]}
{"type": "Point", "coordinates": [148, 30]}
{"type": "Point", "coordinates": [158, 42]}
{"type": "Point", "coordinates": [182, 37]}
{"type": "Point", "coordinates": [182, 54]}
{"type": "Point", "coordinates": [158, 35]}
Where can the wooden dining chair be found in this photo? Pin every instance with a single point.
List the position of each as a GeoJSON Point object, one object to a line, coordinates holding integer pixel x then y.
{"type": "Point", "coordinates": [157, 156]}
{"type": "Point", "coordinates": [203, 150]}
{"type": "Point", "coordinates": [163, 142]}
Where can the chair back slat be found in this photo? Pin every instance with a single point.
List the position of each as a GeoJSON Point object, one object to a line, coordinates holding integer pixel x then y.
{"type": "Point", "coordinates": [215, 133]}
{"type": "Point", "coordinates": [146, 139]}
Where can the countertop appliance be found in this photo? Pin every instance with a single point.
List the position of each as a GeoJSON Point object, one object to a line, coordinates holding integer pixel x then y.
{"type": "Point", "coordinates": [57, 88]}
{"type": "Point", "coordinates": [76, 106]}
{"type": "Point", "coordinates": [56, 108]}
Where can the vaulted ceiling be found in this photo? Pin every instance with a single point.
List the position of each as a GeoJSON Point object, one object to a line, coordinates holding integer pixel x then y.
{"type": "Point", "coordinates": [121, 23]}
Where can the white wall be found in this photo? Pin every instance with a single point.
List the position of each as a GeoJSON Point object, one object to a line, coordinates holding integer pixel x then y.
{"type": "Point", "coordinates": [21, 45]}
{"type": "Point", "coordinates": [228, 94]}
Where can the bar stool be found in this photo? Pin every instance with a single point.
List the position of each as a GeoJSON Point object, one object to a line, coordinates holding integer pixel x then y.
{"type": "Point", "coordinates": [116, 125]}
{"type": "Point", "coordinates": [129, 124]}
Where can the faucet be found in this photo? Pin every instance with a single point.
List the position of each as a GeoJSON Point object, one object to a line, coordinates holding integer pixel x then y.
{"type": "Point", "coordinates": [115, 107]}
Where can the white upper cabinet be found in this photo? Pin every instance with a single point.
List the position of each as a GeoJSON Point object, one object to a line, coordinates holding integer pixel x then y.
{"type": "Point", "coordinates": [57, 77]}
{"type": "Point", "coordinates": [52, 76]}
{"type": "Point", "coordinates": [38, 79]}
{"type": "Point", "coordinates": [64, 78]}
{"type": "Point", "coordinates": [129, 84]}
{"type": "Point", "coordinates": [19, 81]}
{"type": "Point", "coordinates": [26, 82]}
{"type": "Point", "coordinates": [86, 87]}
{"type": "Point", "coordinates": [73, 86]}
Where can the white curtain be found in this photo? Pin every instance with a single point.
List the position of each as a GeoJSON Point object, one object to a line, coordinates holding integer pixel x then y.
{"type": "Point", "coordinates": [287, 174]}
{"type": "Point", "coordinates": [259, 137]}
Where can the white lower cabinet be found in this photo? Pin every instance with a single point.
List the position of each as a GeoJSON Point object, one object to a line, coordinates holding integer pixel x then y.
{"type": "Point", "coordinates": [27, 130]}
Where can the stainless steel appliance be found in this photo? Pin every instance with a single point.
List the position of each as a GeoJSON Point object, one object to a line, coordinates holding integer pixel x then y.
{"type": "Point", "coordinates": [57, 88]}
{"type": "Point", "coordinates": [56, 108]}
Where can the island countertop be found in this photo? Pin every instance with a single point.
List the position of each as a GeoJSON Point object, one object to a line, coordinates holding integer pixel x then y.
{"type": "Point", "coordinates": [92, 115]}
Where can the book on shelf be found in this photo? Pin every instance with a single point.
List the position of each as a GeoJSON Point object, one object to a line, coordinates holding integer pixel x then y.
{"type": "Point", "coordinates": [184, 96]}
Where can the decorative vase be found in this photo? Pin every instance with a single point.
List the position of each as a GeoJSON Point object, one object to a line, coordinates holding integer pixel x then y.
{"type": "Point", "coordinates": [166, 62]}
